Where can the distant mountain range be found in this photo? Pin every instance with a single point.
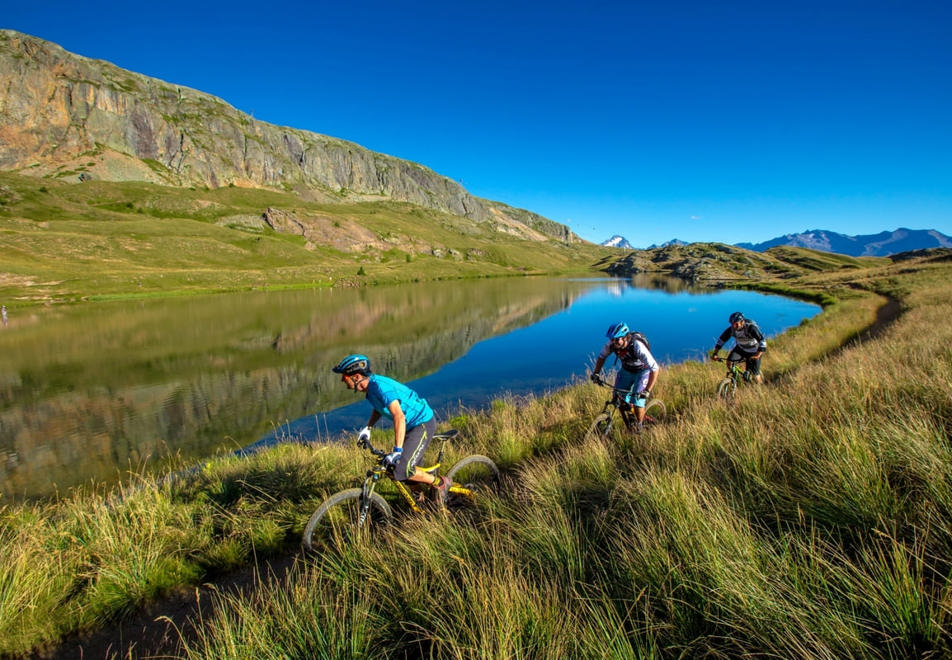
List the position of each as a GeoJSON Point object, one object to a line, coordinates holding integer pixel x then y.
{"type": "Point", "coordinates": [673, 241]}
{"type": "Point", "coordinates": [622, 242]}
{"type": "Point", "coordinates": [866, 245]}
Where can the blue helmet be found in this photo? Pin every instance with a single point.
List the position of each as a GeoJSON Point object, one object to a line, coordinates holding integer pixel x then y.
{"type": "Point", "coordinates": [737, 316]}
{"type": "Point", "coordinates": [617, 330]}
{"type": "Point", "coordinates": [353, 364]}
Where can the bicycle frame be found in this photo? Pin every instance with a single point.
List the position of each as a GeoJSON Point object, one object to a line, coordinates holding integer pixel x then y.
{"type": "Point", "coordinates": [408, 491]}
{"type": "Point", "coordinates": [734, 372]}
{"type": "Point", "coordinates": [728, 386]}
{"type": "Point", "coordinates": [617, 402]}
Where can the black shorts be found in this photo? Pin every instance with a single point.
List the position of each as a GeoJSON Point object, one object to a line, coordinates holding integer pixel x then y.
{"type": "Point", "coordinates": [415, 443]}
{"type": "Point", "coordinates": [752, 365]}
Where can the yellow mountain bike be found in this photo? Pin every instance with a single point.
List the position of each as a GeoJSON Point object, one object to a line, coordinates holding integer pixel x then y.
{"type": "Point", "coordinates": [363, 508]}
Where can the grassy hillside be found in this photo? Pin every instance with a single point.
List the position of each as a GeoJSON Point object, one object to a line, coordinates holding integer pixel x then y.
{"type": "Point", "coordinates": [67, 242]}
{"type": "Point", "coordinates": [811, 519]}
{"type": "Point", "coordinates": [64, 241]}
{"type": "Point", "coordinates": [719, 263]}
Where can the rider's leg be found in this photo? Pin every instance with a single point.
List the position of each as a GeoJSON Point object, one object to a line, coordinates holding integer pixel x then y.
{"type": "Point", "coordinates": [624, 384]}
{"type": "Point", "coordinates": [753, 368]}
{"type": "Point", "coordinates": [415, 442]}
{"type": "Point", "coordinates": [641, 382]}
{"type": "Point", "coordinates": [736, 356]}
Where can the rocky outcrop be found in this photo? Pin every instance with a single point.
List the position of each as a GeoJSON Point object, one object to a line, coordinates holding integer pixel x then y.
{"type": "Point", "coordinates": [69, 116]}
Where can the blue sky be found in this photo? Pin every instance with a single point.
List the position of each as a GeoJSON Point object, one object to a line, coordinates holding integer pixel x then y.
{"type": "Point", "coordinates": [698, 120]}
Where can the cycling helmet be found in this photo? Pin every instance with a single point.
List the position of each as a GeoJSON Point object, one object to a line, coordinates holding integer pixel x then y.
{"type": "Point", "coordinates": [617, 330]}
{"type": "Point", "coordinates": [353, 364]}
{"type": "Point", "coordinates": [737, 316]}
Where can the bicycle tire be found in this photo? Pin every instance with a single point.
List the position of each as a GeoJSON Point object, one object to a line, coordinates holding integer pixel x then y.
{"type": "Point", "coordinates": [726, 389]}
{"type": "Point", "coordinates": [655, 411]}
{"type": "Point", "coordinates": [475, 473]}
{"type": "Point", "coordinates": [601, 427]}
{"type": "Point", "coordinates": [339, 513]}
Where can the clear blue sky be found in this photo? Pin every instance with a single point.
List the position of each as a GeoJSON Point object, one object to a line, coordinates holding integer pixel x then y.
{"type": "Point", "coordinates": [698, 120]}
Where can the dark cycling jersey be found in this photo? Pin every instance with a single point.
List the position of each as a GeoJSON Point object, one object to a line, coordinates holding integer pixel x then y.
{"type": "Point", "coordinates": [749, 338]}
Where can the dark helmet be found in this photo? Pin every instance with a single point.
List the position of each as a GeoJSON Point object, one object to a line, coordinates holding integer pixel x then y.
{"type": "Point", "coordinates": [617, 330]}
{"type": "Point", "coordinates": [737, 316]}
{"type": "Point", "coordinates": [353, 364]}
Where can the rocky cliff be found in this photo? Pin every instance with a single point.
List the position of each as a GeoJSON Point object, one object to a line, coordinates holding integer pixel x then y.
{"type": "Point", "coordinates": [68, 116]}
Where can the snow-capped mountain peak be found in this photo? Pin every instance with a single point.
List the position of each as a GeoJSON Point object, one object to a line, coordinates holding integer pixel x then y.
{"type": "Point", "coordinates": [617, 241]}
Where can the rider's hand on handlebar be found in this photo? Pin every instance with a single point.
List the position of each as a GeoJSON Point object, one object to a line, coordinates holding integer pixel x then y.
{"type": "Point", "coordinates": [393, 457]}
{"type": "Point", "coordinates": [644, 394]}
{"type": "Point", "coordinates": [715, 356]}
{"type": "Point", "coordinates": [595, 378]}
{"type": "Point", "coordinates": [364, 435]}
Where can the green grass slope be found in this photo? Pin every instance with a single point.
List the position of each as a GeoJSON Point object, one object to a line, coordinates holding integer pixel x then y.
{"type": "Point", "coordinates": [65, 241]}
{"type": "Point", "coordinates": [812, 518]}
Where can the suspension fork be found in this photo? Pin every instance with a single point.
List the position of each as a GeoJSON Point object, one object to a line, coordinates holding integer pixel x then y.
{"type": "Point", "coordinates": [367, 491]}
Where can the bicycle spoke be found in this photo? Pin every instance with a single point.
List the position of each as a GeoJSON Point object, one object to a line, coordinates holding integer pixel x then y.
{"type": "Point", "coordinates": [342, 518]}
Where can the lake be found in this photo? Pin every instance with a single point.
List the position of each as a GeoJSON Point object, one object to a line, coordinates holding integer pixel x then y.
{"type": "Point", "coordinates": [92, 392]}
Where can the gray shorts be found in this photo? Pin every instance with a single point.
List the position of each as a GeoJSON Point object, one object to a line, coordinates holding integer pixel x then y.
{"type": "Point", "coordinates": [415, 443]}
{"type": "Point", "coordinates": [740, 355]}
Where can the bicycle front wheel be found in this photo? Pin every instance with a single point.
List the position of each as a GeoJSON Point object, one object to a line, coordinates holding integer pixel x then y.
{"type": "Point", "coordinates": [472, 476]}
{"type": "Point", "coordinates": [345, 513]}
{"type": "Point", "coordinates": [726, 389]}
{"type": "Point", "coordinates": [600, 428]}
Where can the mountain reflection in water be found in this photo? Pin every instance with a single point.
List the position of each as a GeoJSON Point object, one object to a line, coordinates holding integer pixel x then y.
{"type": "Point", "coordinates": [89, 392]}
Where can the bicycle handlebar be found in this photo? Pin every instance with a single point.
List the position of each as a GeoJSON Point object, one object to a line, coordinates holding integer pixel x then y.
{"type": "Point", "coordinates": [718, 358]}
{"type": "Point", "coordinates": [600, 381]}
{"type": "Point", "coordinates": [365, 444]}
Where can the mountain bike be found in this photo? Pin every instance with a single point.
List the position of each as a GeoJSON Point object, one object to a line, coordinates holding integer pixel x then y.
{"type": "Point", "coordinates": [362, 509]}
{"type": "Point", "coordinates": [727, 388]}
{"type": "Point", "coordinates": [603, 423]}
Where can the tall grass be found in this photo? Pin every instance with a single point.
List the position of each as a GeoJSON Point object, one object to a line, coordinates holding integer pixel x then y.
{"type": "Point", "coordinates": [812, 519]}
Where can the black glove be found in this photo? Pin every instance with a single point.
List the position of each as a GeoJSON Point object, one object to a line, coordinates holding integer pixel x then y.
{"type": "Point", "coordinates": [595, 378]}
{"type": "Point", "coordinates": [644, 394]}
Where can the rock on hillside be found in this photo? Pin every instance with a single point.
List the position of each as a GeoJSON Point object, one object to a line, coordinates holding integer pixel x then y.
{"type": "Point", "coordinates": [72, 117]}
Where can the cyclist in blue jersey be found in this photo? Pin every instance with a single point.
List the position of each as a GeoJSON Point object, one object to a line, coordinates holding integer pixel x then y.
{"type": "Point", "coordinates": [412, 417]}
{"type": "Point", "coordinates": [639, 370]}
{"type": "Point", "coordinates": [749, 344]}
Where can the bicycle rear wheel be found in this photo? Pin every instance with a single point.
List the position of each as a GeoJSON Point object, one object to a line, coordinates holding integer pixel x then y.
{"type": "Point", "coordinates": [472, 476]}
{"type": "Point", "coordinates": [340, 514]}
{"type": "Point", "coordinates": [726, 389]}
{"type": "Point", "coordinates": [655, 411]}
{"type": "Point", "coordinates": [601, 427]}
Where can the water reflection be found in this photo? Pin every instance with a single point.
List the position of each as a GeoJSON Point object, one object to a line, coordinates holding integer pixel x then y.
{"type": "Point", "coordinates": [681, 321]}
{"type": "Point", "coordinates": [88, 392]}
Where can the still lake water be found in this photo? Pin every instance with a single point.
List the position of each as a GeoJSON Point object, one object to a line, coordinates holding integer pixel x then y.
{"type": "Point", "coordinates": [91, 392]}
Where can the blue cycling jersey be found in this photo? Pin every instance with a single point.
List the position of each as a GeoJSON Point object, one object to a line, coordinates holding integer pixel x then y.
{"type": "Point", "coordinates": [382, 391]}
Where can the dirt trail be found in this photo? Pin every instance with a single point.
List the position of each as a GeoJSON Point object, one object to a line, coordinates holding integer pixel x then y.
{"type": "Point", "coordinates": [156, 631]}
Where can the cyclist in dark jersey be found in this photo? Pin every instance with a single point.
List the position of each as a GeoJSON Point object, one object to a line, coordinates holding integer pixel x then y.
{"type": "Point", "coordinates": [749, 344]}
{"type": "Point", "coordinates": [412, 417]}
{"type": "Point", "coordinates": [639, 370]}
